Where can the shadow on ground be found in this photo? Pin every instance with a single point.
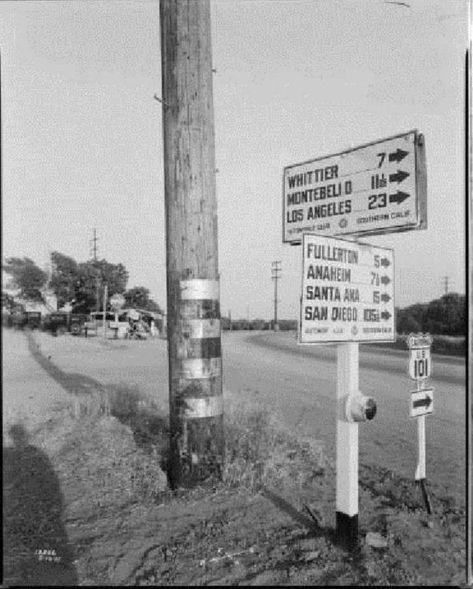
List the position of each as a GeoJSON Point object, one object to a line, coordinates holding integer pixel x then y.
{"type": "Point", "coordinates": [122, 401]}
{"type": "Point", "coordinates": [310, 523]}
{"type": "Point", "coordinates": [36, 547]}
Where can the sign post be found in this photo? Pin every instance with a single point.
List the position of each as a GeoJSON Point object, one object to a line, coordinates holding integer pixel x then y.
{"type": "Point", "coordinates": [116, 302]}
{"type": "Point", "coordinates": [348, 287]}
{"type": "Point", "coordinates": [421, 401]}
{"type": "Point", "coordinates": [347, 297]}
{"type": "Point", "coordinates": [346, 501]}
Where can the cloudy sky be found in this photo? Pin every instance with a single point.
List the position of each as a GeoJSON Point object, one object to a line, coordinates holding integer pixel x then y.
{"type": "Point", "coordinates": [296, 80]}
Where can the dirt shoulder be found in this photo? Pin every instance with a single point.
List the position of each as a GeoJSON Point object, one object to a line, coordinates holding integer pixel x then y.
{"type": "Point", "coordinates": [99, 500]}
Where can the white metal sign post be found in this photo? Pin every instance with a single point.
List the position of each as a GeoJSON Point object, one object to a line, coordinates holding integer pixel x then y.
{"type": "Point", "coordinates": [421, 402]}
{"type": "Point", "coordinates": [346, 499]}
{"type": "Point", "coordinates": [347, 297]}
{"type": "Point", "coordinates": [348, 287]}
{"type": "Point", "coordinates": [372, 189]}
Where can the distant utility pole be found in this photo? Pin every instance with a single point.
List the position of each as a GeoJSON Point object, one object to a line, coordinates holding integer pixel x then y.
{"type": "Point", "coordinates": [97, 281]}
{"type": "Point", "coordinates": [193, 299]}
{"type": "Point", "coordinates": [94, 246]}
{"type": "Point", "coordinates": [445, 283]}
{"type": "Point", "coordinates": [275, 275]}
{"type": "Point", "coordinates": [105, 298]}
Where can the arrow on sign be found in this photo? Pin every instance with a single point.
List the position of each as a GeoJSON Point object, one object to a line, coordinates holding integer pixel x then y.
{"type": "Point", "coordinates": [385, 280]}
{"type": "Point", "coordinates": [385, 297]}
{"type": "Point", "coordinates": [399, 176]}
{"type": "Point", "coordinates": [385, 315]}
{"type": "Point", "coordinates": [398, 155]}
{"type": "Point", "coordinates": [385, 262]}
{"type": "Point", "coordinates": [398, 197]}
{"type": "Point", "coordinates": [425, 402]}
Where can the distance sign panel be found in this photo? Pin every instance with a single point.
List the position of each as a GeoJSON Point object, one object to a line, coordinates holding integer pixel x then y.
{"type": "Point", "coordinates": [372, 189]}
{"type": "Point", "coordinates": [347, 291]}
{"type": "Point", "coordinates": [422, 402]}
{"type": "Point", "coordinates": [420, 364]}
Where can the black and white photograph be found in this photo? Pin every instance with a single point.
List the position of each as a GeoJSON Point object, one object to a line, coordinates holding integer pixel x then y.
{"type": "Point", "coordinates": [236, 292]}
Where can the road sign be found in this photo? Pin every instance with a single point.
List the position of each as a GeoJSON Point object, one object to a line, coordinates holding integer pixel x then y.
{"type": "Point", "coordinates": [117, 301]}
{"type": "Point", "coordinates": [371, 189]}
{"type": "Point", "coordinates": [420, 364]}
{"type": "Point", "coordinates": [347, 291]}
{"type": "Point", "coordinates": [422, 402]}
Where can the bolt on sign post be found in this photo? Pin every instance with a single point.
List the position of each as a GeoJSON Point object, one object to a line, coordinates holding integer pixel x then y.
{"type": "Point", "coordinates": [348, 287]}
{"type": "Point", "coordinates": [194, 346]}
{"type": "Point", "coordinates": [422, 399]}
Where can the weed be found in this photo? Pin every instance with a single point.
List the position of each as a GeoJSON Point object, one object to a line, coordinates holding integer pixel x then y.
{"type": "Point", "coordinates": [259, 453]}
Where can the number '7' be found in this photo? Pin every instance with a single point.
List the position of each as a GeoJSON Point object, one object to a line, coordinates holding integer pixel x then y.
{"type": "Point", "coordinates": [382, 156]}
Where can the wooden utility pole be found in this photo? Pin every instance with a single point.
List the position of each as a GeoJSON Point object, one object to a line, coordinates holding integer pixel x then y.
{"type": "Point", "coordinates": [193, 300]}
{"type": "Point", "coordinates": [97, 281]}
{"type": "Point", "coordinates": [105, 297]}
{"type": "Point", "coordinates": [276, 275]}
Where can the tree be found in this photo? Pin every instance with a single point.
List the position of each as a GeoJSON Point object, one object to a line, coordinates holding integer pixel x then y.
{"type": "Point", "coordinates": [92, 278]}
{"type": "Point", "coordinates": [447, 315]}
{"type": "Point", "coordinates": [64, 279]}
{"type": "Point", "coordinates": [138, 297]}
{"type": "Point", "coordinates": [27, 277]}
{"type": "Point", "coordinates": [8, 302]}
{"type": "Point", "coordinates": [86, 288]}
{"type": "Point", "coordinates": [83, 283]}
{"type": "Point", "coordinates": [406, 322]}
{"type": "Point", "coordinates": [115, 276]}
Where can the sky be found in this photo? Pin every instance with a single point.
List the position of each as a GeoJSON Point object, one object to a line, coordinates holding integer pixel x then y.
{"type": "Point", "coordinates": [295, 80]}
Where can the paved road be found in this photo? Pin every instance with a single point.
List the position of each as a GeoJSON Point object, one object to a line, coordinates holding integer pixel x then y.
{"type": "Point", "coordinates": [299, 384]}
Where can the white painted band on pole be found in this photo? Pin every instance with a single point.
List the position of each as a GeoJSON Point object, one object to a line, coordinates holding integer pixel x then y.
{"type": "Point", "coordinates": [199, 288]}
{"type": "Point", "coordinates": [200, 328]}
{"type": "Point", "coordinates": [200, 367]}
{"type": "Point", "coordinates": [202, 407]}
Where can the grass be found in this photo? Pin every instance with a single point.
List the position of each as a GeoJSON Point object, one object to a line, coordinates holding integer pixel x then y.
{"type": "Point", "coordinates": [134, 440]}
{"type": "Point", "coordinates": [259, 453]}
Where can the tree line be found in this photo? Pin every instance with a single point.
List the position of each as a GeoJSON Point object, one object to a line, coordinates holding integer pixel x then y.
{"type": "Point", "coordinates": [443, 316]}
{"type": "Point", "coordinates": [80, 284]}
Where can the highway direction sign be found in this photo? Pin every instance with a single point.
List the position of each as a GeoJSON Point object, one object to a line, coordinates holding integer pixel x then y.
{"type": "Point", "coordinates": [420, 364]}
{"type": "Point", "coordinates": [347, 291]}
{"type": "Point", "coordinates": [422, 402]}
{"type": "Point", "coordinates": [376, 188]}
